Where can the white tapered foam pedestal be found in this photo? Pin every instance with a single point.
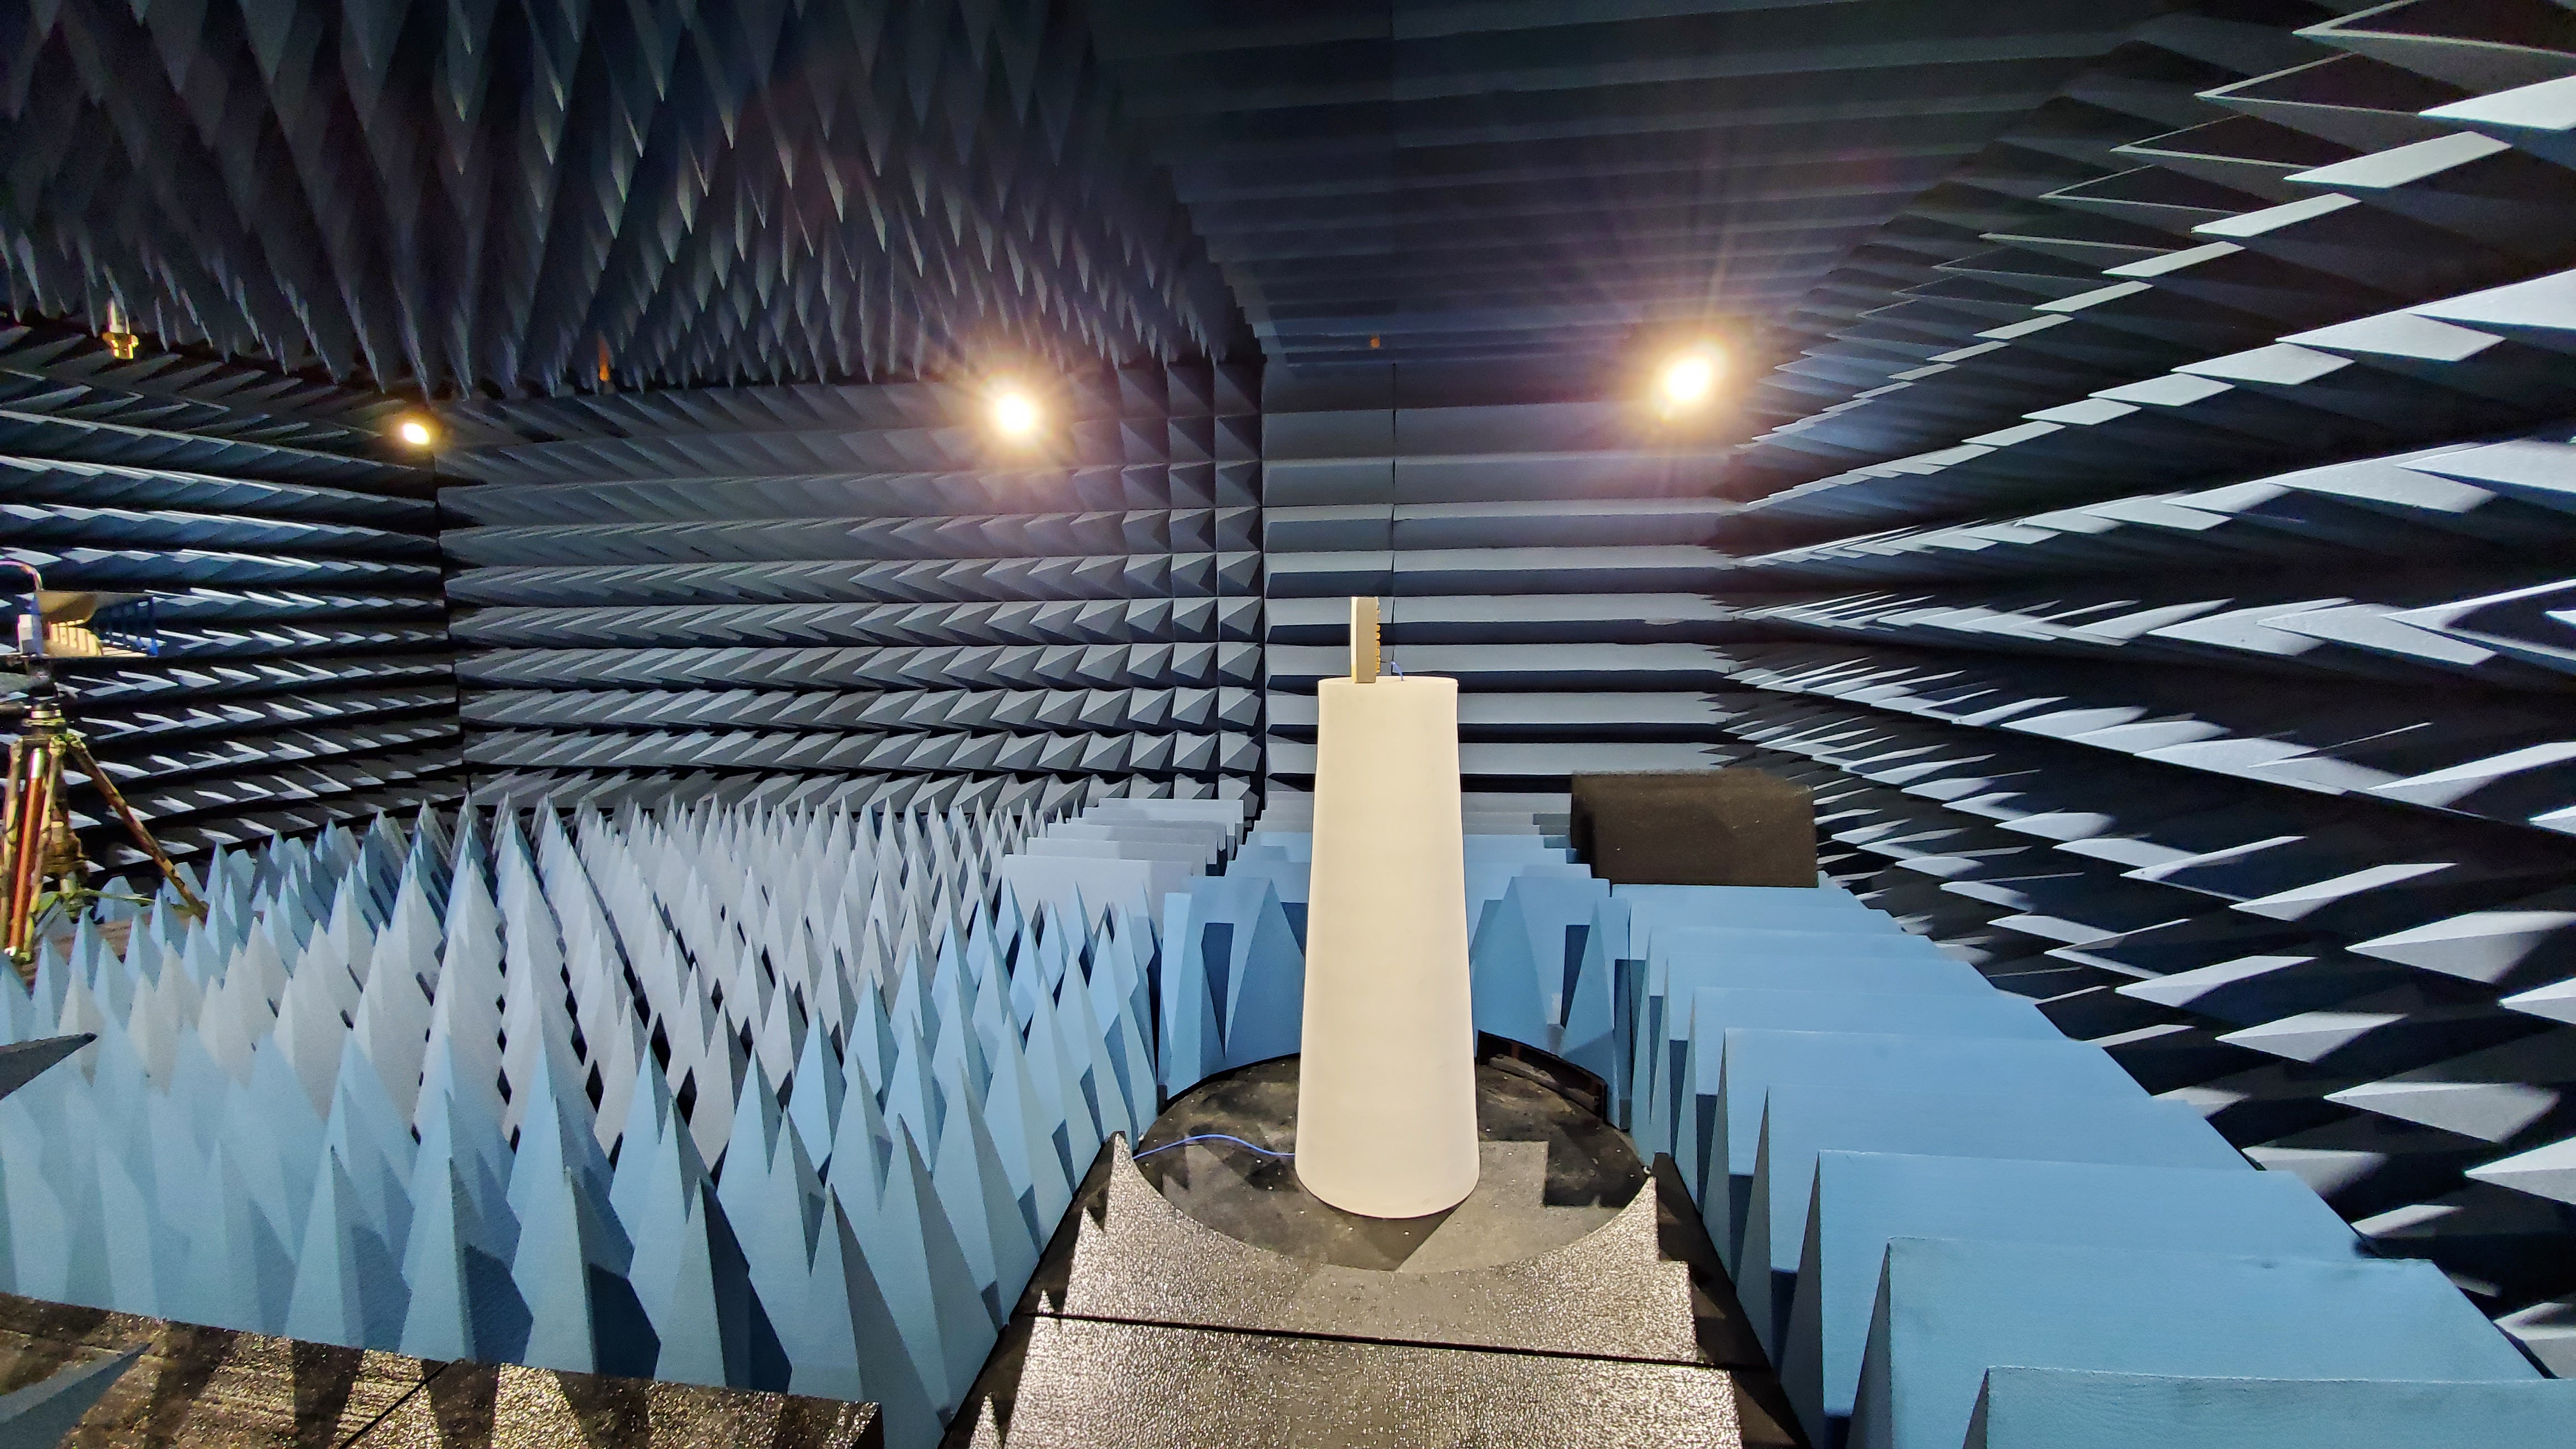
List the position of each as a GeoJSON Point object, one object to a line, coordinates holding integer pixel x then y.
{"type": "Point", "coordinates": [1386, 1084]}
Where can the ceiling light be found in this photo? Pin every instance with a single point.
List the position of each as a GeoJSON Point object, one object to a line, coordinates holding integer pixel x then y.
{"type": "Point", "coordinates": [1689, 378]}
{"type": "Point", "coordinates": [415, 431]}
{"type": "Point", "coordinates": [1015, 414]}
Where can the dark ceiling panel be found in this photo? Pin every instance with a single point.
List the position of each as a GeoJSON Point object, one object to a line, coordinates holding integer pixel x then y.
{"type": "Point", "coordinates": [1410, 180]}
{"type": "Point", "coordinates": [516, 195]}
{"type": "Point", "coordinates": [523, 195]}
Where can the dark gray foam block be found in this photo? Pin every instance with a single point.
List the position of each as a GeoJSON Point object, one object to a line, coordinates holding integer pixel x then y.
{"type": "Point", "coordinates": [21, 1061]}
{"type": "Point", "coordinates": [1733, 827]}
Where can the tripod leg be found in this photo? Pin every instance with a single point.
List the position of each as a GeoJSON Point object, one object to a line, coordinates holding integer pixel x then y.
{"type": "Point", "coordinates": [36, 774]}
{"type": "Point", "coordinates": [9, 827]}
{"type": "Point", "coordinates": [134, 825]}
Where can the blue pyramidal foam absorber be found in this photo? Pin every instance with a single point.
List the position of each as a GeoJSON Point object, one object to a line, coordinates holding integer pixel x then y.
{"type": "Point", "coordinates": [716, 1093]}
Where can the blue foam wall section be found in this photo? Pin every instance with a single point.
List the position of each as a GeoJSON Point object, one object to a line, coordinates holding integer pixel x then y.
{"type": "Point", "coordinates": [858, 580]}
{"type": "Point", "coordinates": [2172, 621]}
{"type": "Point", "coordinates": [1867, 1124]}
{"type": "Point", "coordinates": [1950, 1310]}
{"type": "Point", "coordinates": [1524, 537]}
{"type": "Point", "coordinates": [2141, 518]}
{"type": "Point", "coordinates": [712, 1092]}
{"type": "Point", "coordinates": [2160, 579]}
{"type": "Point", "coordinates": [1862, 1199]}
{"type": "Point", "coordinates": [2026, 1408]}
{"type": "Point", "coordinates": [298, 670]}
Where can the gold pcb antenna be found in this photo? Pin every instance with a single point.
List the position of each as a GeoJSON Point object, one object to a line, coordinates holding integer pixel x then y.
{"type": "Point", "coordinates": [1364, 663]}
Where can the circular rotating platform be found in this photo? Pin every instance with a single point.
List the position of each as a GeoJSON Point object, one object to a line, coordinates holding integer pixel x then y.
{"type": "Point", "coordinates": [1551, 1171]}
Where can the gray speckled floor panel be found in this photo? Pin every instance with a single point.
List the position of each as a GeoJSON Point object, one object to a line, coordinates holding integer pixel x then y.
{"type": "Point", "coordinates": [1608, 1294]}
{"type": "Point", "coordinates": [1141, 1386]}
{"type": "Point", "coordinates": [1200, 1296]}
{"type": "Point", "coordinates": [195, 1387]}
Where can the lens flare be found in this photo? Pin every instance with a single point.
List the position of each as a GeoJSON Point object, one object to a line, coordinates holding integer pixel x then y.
{"type": "Point", "coordinates": [1689, 379]}
{"type": "Point", "coordinates": [1015, 414]}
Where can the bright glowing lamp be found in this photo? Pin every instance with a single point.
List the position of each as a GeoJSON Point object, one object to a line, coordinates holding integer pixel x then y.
{"type": "Point", "coordinates": [1015, 414]}
{"type": "Point", "coordinates": [1688, 379]}
{"type": "Point", "coordinates": [415, 432]}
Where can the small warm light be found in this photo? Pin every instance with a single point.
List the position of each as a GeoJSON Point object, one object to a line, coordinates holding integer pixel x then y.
{"type": "Point", "coordinates": [1689, 379]}
{"type": "Point", "coordinates": [119, 338]}
{"type": "Point", "coordinates": [1015, 414]}
{"type": "Point", "coordinates": [415, 432]}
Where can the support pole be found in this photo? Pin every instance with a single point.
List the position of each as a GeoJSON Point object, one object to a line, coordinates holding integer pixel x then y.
{"type": "Point", "coordinates": [1386, 1090]}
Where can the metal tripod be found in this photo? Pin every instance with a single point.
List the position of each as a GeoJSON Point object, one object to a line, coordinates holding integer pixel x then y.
{"type": "Point", "coordinates": [37, 845]}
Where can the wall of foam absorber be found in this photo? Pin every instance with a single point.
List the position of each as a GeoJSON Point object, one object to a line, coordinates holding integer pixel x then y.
{"type": "Point", "coordinates": [303, 674]}
{"type": "Point", "coordinates": [1913, 1178]}
{"type": "Point", "coordinates": [2167, 600]}
{"type": "Point", "coordinates": [2166, 594]}
{"type": "Point", "coordinates": [1531, 537]}
{"type": "Point", "coordinates": [784, 1099]}
{"type": "Point", "coordinates": [855, 580]}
